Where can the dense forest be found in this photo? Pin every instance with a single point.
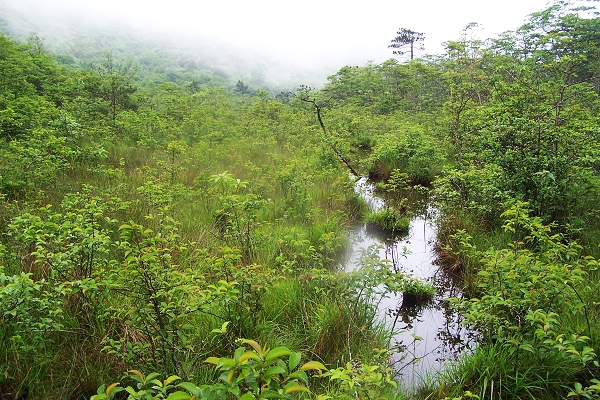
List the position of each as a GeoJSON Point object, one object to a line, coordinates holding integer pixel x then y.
{"type": "Point", "coordinates": [179, 230]}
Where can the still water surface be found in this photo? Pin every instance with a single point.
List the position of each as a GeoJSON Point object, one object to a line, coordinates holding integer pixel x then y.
{"type": "Point", "coordinates": [426, 336]}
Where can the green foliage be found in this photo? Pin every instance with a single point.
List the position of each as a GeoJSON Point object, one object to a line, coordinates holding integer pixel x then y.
{"type": "Point", "coordinates": [527, 291]}
{"type": "Point", "coordinates": [524, 107]}
{"type": "Point", "coordinates": [389, 87]}
{"type": "Point", "coordinates": [28, 89]}
{"type": "Point", "coordinates": [473, 191]}
{"type": "Point", "coordinates": [236, 219]}
{"type": "Point", "coordinates": [589, 392]}
{"type": "Point", "coordinates": [409, 150]}
{"type": "Point", "coordinates": [69, 246]}
{"type": "Point", "coordinates": [34, 162]}
{"type": "Point", "coordinates": [465, 395]}
{"type": "Point", "coordinates": [388, 219]}
{"type": "Point", "coordinates": [489, 373]}
{"type": "Point", "coordinates": [257, 373]}
{"type": "Point", "coordinates": [416, 289]}
{"type": "Point", "coordinates": [362, 381]}
{"type": "Point", "coordinates": [158, 297]}
{"type": "Point", "coordinates": [151, 388]}
{"type": "Point", "coordinates": [66, 253]}
{"type": "Point", "coordinates": [30, 311]}
{"type": "Point", "coordinates": [507, 128]}
{"type": "Point", "coordinates": [515, 280]}
{"type": "Point", "coordinates": [241, 88]}
{"type": "Point", "coordinates": [115, 84]}
{"type": "Point", "coordinates": [248, 284]}
{"type": "Point", "coordinates": [261, 373]}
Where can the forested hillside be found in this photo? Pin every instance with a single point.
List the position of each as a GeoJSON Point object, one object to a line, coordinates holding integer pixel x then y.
{"type": "Point", "coordinates": [166, 228]}
{"type": "Point", "coordinates": [76, 39]}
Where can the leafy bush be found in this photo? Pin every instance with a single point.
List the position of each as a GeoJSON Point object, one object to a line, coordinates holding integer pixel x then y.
{"type": "Point", "coordinates": [256, 373]}
{"type": "Point", "coordinates": [416, 291]}
{"type": "Point", "coordinates": [388, 219]}
{"type": "Point", "coordinates": [528, 293]}
{"type": "Point", "coordinates": [261, 373]}
{"type": "Point", "coordinates": [473, 191]}
{"type": "Point", "coordinates": [409, 150]}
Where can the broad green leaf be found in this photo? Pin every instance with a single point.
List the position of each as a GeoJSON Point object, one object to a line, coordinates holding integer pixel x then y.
{"type": "Point", "coordinates": [270, 394]}
{"type": "Point", "coordinates": [295, 388]}
{"type": "Point", "coordinates": [191, 388]}
{"type": "Point", "coordinates": [278, 352]}
{"type": "Point", "coordinates": [171, 379]}
{"type": "Point", "coordinates": [223, 328]}
{"type": "Point", "coordinates": [300, 375]}
{"type": "Point", "coordinates": [157, 383]}
{"type": "Point", "coordinates": [152, 377]}
{"type": "Point", "coordinates": [179, 396]}
{"type": "Point", "coordinates": [275, 370]}
{"type": "Point", "coordinates": [249, 355]}
{"type": "Point", "coordinates": [294, 360]}
{"type": "Point", "coordinates": [238, 353]}
{"type": "Point", "coordinates": [313, 365]}
{"type": "Point", "coordinates": [527, 347]}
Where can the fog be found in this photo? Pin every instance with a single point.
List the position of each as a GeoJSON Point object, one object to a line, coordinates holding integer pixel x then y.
{"type": "Point", "coordinates": [310, 35]}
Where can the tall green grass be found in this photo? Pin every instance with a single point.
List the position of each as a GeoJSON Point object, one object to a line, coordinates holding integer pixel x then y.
{"type": "Point", "coordinates": [491, 372]}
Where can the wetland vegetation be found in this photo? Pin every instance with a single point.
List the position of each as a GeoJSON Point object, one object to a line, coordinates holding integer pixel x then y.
{"type": "Point", "coordinates": [162, 228]}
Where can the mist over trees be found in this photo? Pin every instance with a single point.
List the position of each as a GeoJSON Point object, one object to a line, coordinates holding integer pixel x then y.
{"type": "Point", "coordinates": [80, 39]}
{"type": "Point", "coordinates": [174, 227]}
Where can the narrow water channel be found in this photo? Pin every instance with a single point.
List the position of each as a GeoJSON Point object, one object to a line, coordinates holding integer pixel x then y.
{"type": "Point", "coordinates": [428, 335]}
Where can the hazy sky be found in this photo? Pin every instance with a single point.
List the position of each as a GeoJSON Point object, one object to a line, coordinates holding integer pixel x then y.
{"type": "Point", "coordinates": [309, 31]}
{"type": "Point", "coordinates": [357, 31]}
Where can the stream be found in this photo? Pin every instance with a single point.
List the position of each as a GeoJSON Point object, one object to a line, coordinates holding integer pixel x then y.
{"type": "Point", "coordinates": [425, 336]}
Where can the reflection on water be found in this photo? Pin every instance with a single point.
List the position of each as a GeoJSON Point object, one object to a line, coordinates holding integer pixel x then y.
{"type": "Point", "coordinates": [426, 335]}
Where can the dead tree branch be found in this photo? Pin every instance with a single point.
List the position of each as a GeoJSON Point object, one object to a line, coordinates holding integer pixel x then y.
{"type": "Point", "coordinates": [330, 142]}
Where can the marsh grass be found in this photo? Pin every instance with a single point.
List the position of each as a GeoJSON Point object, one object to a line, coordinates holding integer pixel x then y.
{"type": "Point", "coordinates": [490, 373]}
{"type": "Point", "coordinates": [416, 291]}
{"type": "Point", "coordinates": [71, 367]}
{"type": "Point", "coordinates": [389, 219]}
{"type": "Point", "coordinates": [284, 314]}
{"type": "Point", "coordinates": [320, 322]}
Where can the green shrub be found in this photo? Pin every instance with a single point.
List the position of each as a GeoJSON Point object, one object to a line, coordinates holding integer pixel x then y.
{"type": "Point", "coordinates": [409, 150]}
{"type": "Point", "coordinates": [260, 372]}
{"type": "Point", "coordinates": [416, 291]}
{"type": "Point", "coordinates": [389, 219]}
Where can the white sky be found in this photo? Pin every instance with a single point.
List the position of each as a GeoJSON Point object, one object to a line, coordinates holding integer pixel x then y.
{"type": "Point", "coordinates": [330, 31]}
{"type": "Point", "coordinates": [317, 35]}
